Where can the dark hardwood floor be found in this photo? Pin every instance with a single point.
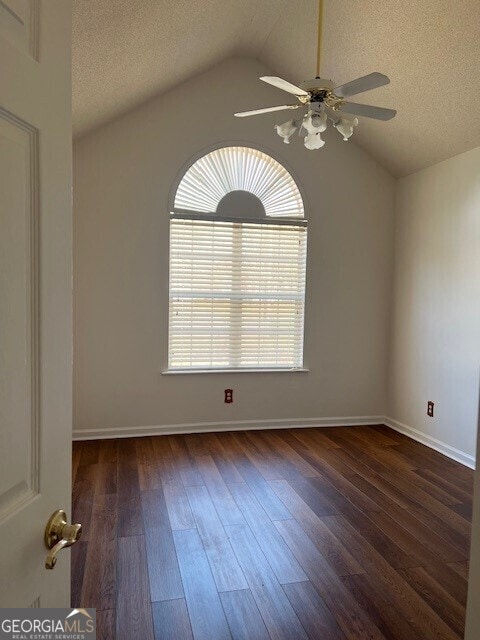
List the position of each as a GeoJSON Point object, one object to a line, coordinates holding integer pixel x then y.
{"type": "Point", "coordinates": [342, 533]}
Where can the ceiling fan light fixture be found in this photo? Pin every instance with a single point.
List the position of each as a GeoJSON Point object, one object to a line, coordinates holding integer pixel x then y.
{"type": "Point", "coordinates": [286, 130]}
{"type": "Point", "coordinates": [314, 141]}
{"type": "Point", "coordinates": [324, 101]}
{"type": "Point", "coordinates": [345, 127]}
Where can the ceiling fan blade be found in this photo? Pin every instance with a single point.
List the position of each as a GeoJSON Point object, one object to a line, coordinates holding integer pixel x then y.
{"type": "Point", "coordinates": [256, 112]}
{"type": "Point", "coordinates": [372, 81]}
{"type": "Point", "coordinates": [284, 85]}
{"type": "Point", "coordinates": [368, 111]}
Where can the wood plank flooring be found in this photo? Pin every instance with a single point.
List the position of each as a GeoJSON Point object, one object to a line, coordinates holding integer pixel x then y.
{"type": "Point", "coordinates": [349, 533]}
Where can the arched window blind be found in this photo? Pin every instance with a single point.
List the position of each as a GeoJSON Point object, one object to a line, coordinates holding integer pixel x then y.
{"type": "Point", "coordinates": [229, 169]}
{"type": "Point", "coordinates": [238, 246]}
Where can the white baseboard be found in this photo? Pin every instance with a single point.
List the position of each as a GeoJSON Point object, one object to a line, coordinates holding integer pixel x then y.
{"type": "Point", "coordinates": [455, 454]}
{"type": "Point", "coordinates": [240, 425]}
{"type": "Point", "coordinates": [281, 423]}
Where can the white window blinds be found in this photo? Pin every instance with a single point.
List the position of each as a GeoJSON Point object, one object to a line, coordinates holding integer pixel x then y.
{"type": "Point", "coordinates": [228, 169]}
{"type": "Point", "coordinates": [237, 294]}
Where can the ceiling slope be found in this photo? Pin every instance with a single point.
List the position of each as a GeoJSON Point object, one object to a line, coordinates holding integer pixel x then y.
{"type": "Point", "coordinates": [125, 52]}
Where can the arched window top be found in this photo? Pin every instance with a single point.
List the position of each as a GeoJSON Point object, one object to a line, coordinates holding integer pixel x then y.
{"type": "Point", "coordinates": [239, 182]}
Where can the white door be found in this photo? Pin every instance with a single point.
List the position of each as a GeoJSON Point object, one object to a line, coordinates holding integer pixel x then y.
{"type": "Point", "coordinates": [473, 610]}
{"type": "Point", "coordinates": [35, 295]}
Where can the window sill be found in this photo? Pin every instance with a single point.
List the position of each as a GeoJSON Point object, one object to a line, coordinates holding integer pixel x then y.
{"type": "Point", "coordinates": [175, 372]}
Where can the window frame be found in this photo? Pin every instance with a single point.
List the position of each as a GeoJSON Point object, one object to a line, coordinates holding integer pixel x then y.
{"type": "Point", "coordinates": [179, 213]}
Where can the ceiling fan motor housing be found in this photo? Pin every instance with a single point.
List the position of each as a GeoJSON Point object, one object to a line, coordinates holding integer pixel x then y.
{"type": "Point", "coordinates": [317, 85]}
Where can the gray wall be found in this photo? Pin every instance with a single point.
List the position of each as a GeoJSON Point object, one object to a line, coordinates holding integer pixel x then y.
{"type": "Point", "coordinates": [123, 173]}
{"type": "Point", "coordinates": [436, 305]}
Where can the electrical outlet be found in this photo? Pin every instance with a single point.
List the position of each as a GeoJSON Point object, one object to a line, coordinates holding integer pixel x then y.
{"type": "Point", "coordinates": [430, 406]}
{"type": "Point", "coordinates": [228, 396]}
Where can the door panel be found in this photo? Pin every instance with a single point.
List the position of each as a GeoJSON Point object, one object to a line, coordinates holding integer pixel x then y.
{"type": "Point", "coordinates": [19, 480]}
{"type": "Point", "coordinates": [35, 295]}
{"type": "Point", "coordinates": [19, 24]}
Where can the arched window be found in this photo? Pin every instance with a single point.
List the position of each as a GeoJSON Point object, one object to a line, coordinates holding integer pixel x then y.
{"type": "Point", "coordinates": [238, 246]}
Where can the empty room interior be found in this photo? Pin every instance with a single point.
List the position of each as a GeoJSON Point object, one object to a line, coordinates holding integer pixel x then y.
{"type": "Point", "coordinates": [257, 325]}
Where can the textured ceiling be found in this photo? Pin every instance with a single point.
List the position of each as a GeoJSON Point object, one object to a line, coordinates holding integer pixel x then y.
{"type": "Point", "coordinates": [126, 51]}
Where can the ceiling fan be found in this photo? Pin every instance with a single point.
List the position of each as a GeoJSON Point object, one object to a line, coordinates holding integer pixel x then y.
{"type": "Point", "coordinates": [325, 102]}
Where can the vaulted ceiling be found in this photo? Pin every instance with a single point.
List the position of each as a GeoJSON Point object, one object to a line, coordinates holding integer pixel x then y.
{"type": "Point", "coordinates": [126, 51]}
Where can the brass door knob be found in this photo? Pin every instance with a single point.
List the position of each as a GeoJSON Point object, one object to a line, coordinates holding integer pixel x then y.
{"type": "Point", "coordinates": [58, 535]}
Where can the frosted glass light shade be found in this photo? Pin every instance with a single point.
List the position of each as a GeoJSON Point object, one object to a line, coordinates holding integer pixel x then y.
{"type": "Point", "coordinates": [286, 130]}
{"type": "Point", "coordinates": [314, 141]}
{"type": "Point", "coordinates": [345, 127]}
{"type": "Point", "coordinates": [315, 122]}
